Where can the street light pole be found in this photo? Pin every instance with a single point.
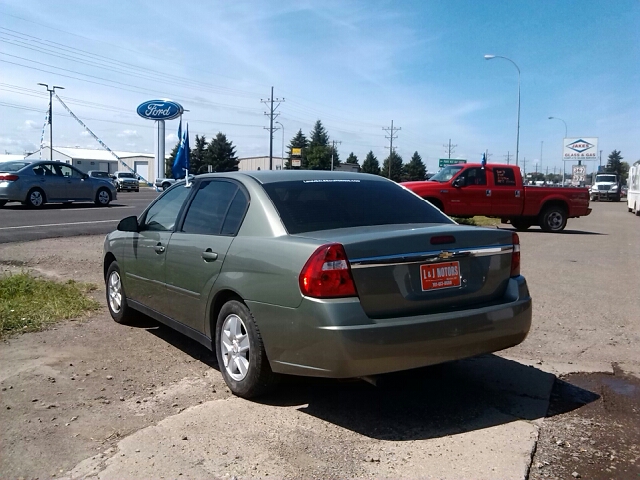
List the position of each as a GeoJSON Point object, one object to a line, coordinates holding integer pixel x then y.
{"type": "Point", "coordinates": [565, 136]}
{"type": "Point", "coordinates": [489, 57]}
{"type": "Point", "coordinates": [282, 155]}
{"type": "Point", "coordinates": [51, 90]}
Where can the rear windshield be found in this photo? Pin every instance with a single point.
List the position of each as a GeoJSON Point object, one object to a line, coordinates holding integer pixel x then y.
{"type": "Point", "coordinates": [311, 205]}
{"type": "Point", "coordinates": [13, 166]}
{"type": "Point", "coordinates": [100, 174]}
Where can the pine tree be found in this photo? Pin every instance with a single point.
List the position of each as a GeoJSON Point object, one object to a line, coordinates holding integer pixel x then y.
{"type": "Point", "coordinates": [396, 167]}
{"type": "Point", "coordinates": [614, 162]}
{"type": "Point", "coordinates": [319, 152]}
{"type": "Point", "coordinates": [370, 164]}
{"type": "Point", "coordinates": [221, 155]}
{"type": "Point", "coordinates": [198, 156]}
{"type": "Point", "coordinates": [415, 169]}
{"type": "Point", "coordinates": [168, 163]}
{"type": "Point", "coordinates": [298, 141]}
{"type": "Point", "coordinates": [352, 158]}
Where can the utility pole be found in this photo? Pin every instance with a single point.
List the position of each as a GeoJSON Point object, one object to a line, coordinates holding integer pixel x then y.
{"type": "Point", "coordinates": [272, 116]}
{"type": "Point", "coordinates": [487, 154]}
{"type": "Point", "coordinates": [51, 90]}
{"type": "Point", "coordinates": [333, 150]}
{"type": "Point", "coordinates": [541, 142]}
{"type": "Point", "coordinates": [600, 157]}
{"type": "Point", "coordinates": [524, 166]}
{"type": "Point", "coordinates": [508, 157]}
{"type": "Point", "coordinates": [449, 148]}
{"type": "Point", "coordinates": [391, 137]}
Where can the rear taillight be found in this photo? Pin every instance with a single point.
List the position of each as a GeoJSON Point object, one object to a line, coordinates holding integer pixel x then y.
{"type": "Point", "coordinates": [327, 274]}
{"type": "Point", "coordinates": [8, 177]}
{"type": "Point", "coordinates": [515, 255]}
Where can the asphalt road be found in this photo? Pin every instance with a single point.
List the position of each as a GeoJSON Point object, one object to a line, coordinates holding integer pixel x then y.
{"type": "Point", "coordinates": [19, 223]}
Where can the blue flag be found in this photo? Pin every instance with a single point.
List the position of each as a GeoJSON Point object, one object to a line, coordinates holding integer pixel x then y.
{"type": "Point", "coordinates": [181, 162]}
{"type": "Point", "coordinates": [484, 159]}
{"type": "Point", "coordinates": [180, 129]}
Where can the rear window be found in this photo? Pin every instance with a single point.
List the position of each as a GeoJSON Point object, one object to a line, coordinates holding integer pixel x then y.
{"type": "Point", "coordinates": [100, 174]}
{"type": "Point", "coordinates": [312, 205]}
{"type": "Point", "coordinates": [13, 166]}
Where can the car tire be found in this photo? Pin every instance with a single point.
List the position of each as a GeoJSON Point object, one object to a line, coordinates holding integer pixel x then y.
{"type": "Point", "coordinates": [116, 298]}
{"type": "Point", "coordinates": [4, 202]}
{"type": "Point", "coordinates": [137, 190]}
{"type": "Point", "coordinates": [103, 197]}
{"type": "Point", "coordinates": [553, 219]}
{"type": "Point", "coordinates": [521, 224]}
{"type": "Point", "coordinates": [35, 198]}
{"type": "Point", "coordinates": [165, 186]}
{"type": "Point", "coordinates": [636, 210]}
{"type": "Point", "coordinates": [240, 352]}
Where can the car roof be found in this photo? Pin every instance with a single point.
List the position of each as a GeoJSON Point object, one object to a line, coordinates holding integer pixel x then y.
{"type": "Point", "coordinates": [275, 176]}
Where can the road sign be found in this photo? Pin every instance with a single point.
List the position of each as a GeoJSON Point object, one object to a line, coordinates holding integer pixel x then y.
{"type": "Point", "coordinates": [579, 174]}
{"type": "Point", "coordinates": [443, 162]}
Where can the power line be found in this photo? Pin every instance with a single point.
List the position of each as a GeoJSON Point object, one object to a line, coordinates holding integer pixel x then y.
{"type": "Point", "coordinates": [508, 157]}
{"type": "Point", "coordinates": [449, 148]}
{"type": "Point", "coordinates": [391, 137]}
{"type": "Point", "coordinates": [272, 116]}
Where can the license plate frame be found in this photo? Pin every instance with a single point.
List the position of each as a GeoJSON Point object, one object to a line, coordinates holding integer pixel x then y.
{"type": "Point", "coordinates": [439, 276]}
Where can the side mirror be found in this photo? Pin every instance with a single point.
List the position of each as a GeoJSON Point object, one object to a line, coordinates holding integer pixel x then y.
{"type": "Point", "coordinates": [129, 224]}
{"type": "Point", "coordinates": [85, 176]}
{"type": "Point", "coordinates": [459, 182]}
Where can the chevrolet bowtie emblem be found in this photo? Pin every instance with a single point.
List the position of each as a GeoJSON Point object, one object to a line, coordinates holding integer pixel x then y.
{"type": "Point", "coordinates": [445, 255]}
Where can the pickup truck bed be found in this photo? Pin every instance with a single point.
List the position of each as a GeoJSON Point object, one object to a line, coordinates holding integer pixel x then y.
{"type": "Point", "coordinates": [493, 190]}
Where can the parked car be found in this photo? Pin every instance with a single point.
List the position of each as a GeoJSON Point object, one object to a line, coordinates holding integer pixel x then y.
{"type": "Point", "coordinates": [466, 190]}
{"type": "Point", "coordinates": [164, 183]}
{"type": "Point", "coordinates": [327, 274]}
{"type": "Point", "coordinates": [128, 181]}
{"type": "Point", "coordinates": [35, 183]}
{"type": "Point", "coordinates": [103, 174]}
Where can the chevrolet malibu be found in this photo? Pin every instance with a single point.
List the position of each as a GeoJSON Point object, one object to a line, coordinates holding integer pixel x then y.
{"type": "Point", "coordinates": [327, 274]}
{"type": "Point", "coordinates": [35, 183]}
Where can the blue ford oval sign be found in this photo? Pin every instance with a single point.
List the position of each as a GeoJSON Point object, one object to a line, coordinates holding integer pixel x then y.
{"type": "Point", "coordinates": [160, 110]}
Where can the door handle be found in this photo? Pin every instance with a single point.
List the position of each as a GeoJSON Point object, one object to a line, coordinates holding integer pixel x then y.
{"type": "Point", "coordinates": [159, 248]}
{"type": "Point", "coordinates": [209, 256]}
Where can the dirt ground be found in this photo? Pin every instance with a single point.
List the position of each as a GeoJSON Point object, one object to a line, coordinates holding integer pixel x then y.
{"type": "Point", "coordinates": [76, 390]}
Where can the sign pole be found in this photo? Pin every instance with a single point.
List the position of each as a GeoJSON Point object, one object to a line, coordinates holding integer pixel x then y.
{"type": "Point", "coordinates": [159, 149]}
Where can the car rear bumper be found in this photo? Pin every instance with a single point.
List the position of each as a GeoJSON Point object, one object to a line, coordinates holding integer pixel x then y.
{"type": "Point", "coordinates": [336, 338]}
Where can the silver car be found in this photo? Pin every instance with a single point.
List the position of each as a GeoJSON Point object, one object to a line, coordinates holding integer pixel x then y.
{"type": "Point", "coordinates": [40, 182]}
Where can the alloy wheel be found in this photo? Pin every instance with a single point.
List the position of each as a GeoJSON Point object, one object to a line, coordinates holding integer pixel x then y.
{"type": "Point", "coordinates": [35, 198]}
{"type": "Point", "coordinates": [234, 345]}
{"type": "Point", "coordinates": [115, 292]}
{"type": "Point", "coordinates": [103, 197]}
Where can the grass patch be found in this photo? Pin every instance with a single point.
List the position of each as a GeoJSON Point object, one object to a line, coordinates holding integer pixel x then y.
{"type": "Point", "coordinates": [29, 304]}
{"type": "Point", "coordinates": [478, 221]}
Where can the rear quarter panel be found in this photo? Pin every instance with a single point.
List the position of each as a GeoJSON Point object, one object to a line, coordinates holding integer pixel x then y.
{"type": "Point", "coordinates": [575, 199]}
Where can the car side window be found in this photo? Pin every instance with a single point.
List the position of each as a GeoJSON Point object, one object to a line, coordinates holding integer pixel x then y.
{"type": "Point", "coordinates": [162, 215]}
{"type": "Point", "coordinates": [235, 215]}
{"type": "Point", "coordinates": [504, 176]}
{"type": "Point", "coordinates": [475, 176]}
{"type": "Point", "coordinates": [208, 210]}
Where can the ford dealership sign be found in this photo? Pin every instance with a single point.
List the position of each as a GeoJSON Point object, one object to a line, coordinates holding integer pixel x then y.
{"type": "Point", "coordinates": [160, 110]}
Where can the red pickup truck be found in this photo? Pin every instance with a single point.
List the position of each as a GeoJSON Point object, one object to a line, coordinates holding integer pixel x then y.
{"type": "Point", "coordinates": [466, 190]}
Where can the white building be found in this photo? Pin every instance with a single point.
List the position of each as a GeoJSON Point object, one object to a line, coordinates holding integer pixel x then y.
{"type": "Point", "coordinates": [86, 159]}
{"type": "Point", "coordinates": [7, 157]}
{"type": "Point", "coordinates": [259, 163]}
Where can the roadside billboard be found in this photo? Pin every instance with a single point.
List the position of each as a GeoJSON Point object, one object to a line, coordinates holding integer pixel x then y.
{"type": "Point", "coordinates": [580, 148]}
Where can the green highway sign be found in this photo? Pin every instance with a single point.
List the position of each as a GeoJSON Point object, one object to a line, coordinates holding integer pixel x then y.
{"type": "Point", "coordinates": [449, 161]}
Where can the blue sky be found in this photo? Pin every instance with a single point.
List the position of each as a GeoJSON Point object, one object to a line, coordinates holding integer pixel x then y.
{"type": "Point", "coordinates": [355, 65]}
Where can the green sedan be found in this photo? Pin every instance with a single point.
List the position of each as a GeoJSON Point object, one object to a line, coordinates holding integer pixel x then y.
{"type": "Point", "coordinates": [327, 274]}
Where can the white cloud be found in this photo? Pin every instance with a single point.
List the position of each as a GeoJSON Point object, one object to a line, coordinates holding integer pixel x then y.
{"type": "Point", "coordinates": [171, 138]}
{"type": "Point", "coordinates": [129, 134]}
{"type": "Point", "coordinates": [29, 125]}
{"type": "Point", "coordinates": [84, 133]}
{"type": "Point", "coordinates": [16, 145]}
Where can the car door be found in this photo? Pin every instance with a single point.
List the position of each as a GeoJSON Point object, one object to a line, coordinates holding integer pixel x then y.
{"type": "Point", "coordinates": [51, 180]}
{"type": "Point", "coordinates": [472, 196]}
{"type": "Point", "coordinates": [507, 198]}
{"type": "Point", "coordinates": [145, 251]}
{"type": "Point", "coordinates": [77, 188]}
{"type": "Point", "coordinates": [198, 248]}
